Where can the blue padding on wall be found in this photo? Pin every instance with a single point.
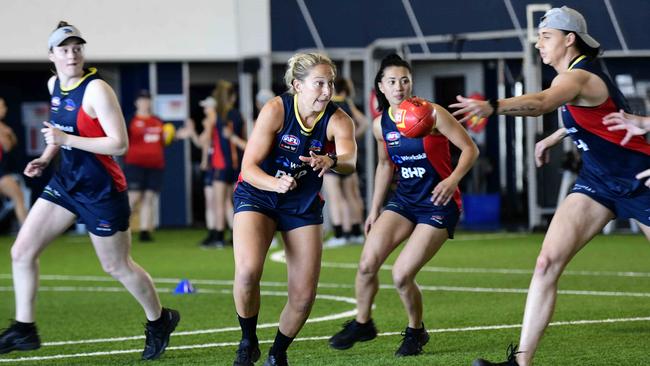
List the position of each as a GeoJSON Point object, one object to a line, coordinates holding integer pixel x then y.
{"type": "Point", "coordinates": [173, 203]}
{"type": "Point", "coordinates": [133, 78]}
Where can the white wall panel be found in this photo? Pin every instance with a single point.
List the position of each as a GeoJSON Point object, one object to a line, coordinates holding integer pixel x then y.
{"type": "Point", "coordinates": [139, 30]}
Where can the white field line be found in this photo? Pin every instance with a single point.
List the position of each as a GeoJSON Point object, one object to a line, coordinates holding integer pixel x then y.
{"type": "Point", "coordinates": [321, 338]}
{"type": "Point", "coordinates": [278, 256]}
{"type": "Point", "coordinates": [320, 285]}
{"type": "Point", "coordinates": [341, 315]}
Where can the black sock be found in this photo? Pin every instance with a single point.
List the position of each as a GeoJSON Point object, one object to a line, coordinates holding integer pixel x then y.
{"type": "Point", "coordinates": [338, 231]}
{"type": "Point", "coordinates": [23, 327]}
{"type": "Point", "coordinates": [415, 330]}
{"type": "Point", "coordinates": [160, 321]}
{"type": "Point", "coordinates": [248, 328]}
{"type": "Point", "coordinates": [218, 235]}
{"type": "Point", "coordinates": [356, 230]}
{"type": "Point", "coordinates": [212, 233]}
{"type": "Point", "coordinates": [280, 344]}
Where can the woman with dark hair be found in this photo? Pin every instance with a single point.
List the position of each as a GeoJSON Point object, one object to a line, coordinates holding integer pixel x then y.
{"type": "Point", "coordinates": [605, 188]}
{"type": "Point", "coordinates": [87, 128]}
{"type": "Point", "coordinates": [423, 211]}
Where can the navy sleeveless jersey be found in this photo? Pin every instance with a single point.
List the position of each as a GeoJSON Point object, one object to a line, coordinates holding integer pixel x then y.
{"type": "Point", "coordinates": [604, 159]}
{"type": "Point", "coordinates": [293, 140]}
{"type": "Point", "coordinates": [86, 176]}
{"type": "Point", "coordinates": [421, 163]}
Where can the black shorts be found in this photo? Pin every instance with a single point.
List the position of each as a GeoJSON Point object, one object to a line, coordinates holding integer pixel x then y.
{"type": "Point", "coordinates": [143, 179]}
{"type": "Point", "coordinates": [102, 218]}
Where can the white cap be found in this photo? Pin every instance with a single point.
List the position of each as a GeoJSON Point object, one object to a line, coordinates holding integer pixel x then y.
{"type": "Point", "coordinates": [567, 19]}
{"type": "Point", "coordinates": [208, 102]}
{"type": "Point", "coordinates": [61, 34]}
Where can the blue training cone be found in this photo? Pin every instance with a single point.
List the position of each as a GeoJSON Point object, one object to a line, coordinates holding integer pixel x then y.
{"type": "Point", "coordinates": [184, 287]}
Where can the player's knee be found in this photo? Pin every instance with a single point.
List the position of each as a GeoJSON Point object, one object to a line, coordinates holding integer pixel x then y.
{"type": "Point", "coordinates": [368, 267]}
{"type": "Point", "coordinates": [115, 268]}
{"type": "Point", "coordinates": [247, 277]}
{"type": "Point", "coordinates": [543, 264]}
{"type": "Point", "coordinates": [302, 300]}
{"type": "Point", "coordinates": [401, 279]}
{"type": "Point", "coordinates": [22, 254]}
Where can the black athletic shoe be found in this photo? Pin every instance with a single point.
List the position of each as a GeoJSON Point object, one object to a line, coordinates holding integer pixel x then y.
{"type": "Point", "coordinates": [511, 361]}
{"type": "Point", "coordinates": [145, 236]}
{"type": "Point", "coordinates": [412, 342]}
{"type": "Point", "coordinates": [157, 337]}
{"type": "Point", "coordinates": [247, 353]}
{"type": "Point", "coordinates": [16, 339]}
{"type": "Point", "coordinates": [353, 332]}
{"type": "Point", "coordinates": [277, 360]}
{"type": "Point", "coordinates": [213, 244]}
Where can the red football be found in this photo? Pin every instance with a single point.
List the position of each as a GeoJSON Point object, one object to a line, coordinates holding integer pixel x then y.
{"type": "Point", "coordinates": [417, 117]}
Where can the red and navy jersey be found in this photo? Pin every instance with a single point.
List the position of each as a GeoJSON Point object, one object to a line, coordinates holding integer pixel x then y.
{"type": "Point", "coordinates": [146, 145]}
{"type": "Point", "coordinates": [226, 154]}
{"type": "Point", "coordinates": [604, 159]}
{"type": "Point", "coordinates": [86, 176]}
{"type": "Point", "coordinates": [293, 140]}
{"type": "Point", "coordinates": [420, 163]}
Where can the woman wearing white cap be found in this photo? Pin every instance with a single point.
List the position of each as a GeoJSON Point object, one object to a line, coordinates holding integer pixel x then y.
{"type": "Point", "coordinates": [605, 189]}
{"type": "Point", "coordinates": [86, 128]}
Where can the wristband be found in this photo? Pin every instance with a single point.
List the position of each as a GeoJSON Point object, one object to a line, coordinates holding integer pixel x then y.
{"type": "Point", "coordinates": [334, 158]}
{"type": "Point", "coordinates": [494, 103]}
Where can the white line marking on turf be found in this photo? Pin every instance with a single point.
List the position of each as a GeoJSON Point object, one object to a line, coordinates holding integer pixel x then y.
{"type": "Point", "coordinates": [341, 315]}
{"type": "Point", "coordinates": [320, 338]}
{"type": "Point", "coordinates": [278, 256]}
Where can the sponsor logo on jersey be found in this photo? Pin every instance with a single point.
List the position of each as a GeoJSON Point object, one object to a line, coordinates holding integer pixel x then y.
{"type": "Point", "coordinates": [56, 101]}
{"type": "Point", "coordinates": [286, 163]}
{"type": "Point", "coordinates": [63, 128]}
{"type": "Point", "coordinates": [582, 187]}
{"type": "Point", "coordinates": [572, 130]}
{"type": "Point", "coordinates": [400, 159]}
{"type": "Point", "coordinates": [392, 139]}
{"type": "Point", "coordinates": [315, 146]}
{"type": "Point", "coordinates": [289, 143]}
{"type": "Point", "coordinates": [70, 105]}
{"type": "Point", "coordinates": [139, 123]}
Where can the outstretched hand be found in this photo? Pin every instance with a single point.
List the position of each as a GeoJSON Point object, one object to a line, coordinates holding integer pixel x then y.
{"type": "Point", "coordinates": [468, 108]}
{"type": "Point", "coordinates": [318, 162]}
{"type": "Point", "coordinates": [620, 120]}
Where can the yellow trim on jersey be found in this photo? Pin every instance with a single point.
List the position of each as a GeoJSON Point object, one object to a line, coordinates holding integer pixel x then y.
{"type": "Point", "coordinates": [302, 126]}
{"type": "Point", "coordinates": [576, 61]}
{"type": "Point", "coordinates": [92, 71]}
{"type": "Point", "coordinates": [338, 99]}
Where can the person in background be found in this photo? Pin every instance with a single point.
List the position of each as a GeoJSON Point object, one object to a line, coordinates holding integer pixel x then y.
{"type": "Point", "coordinates": [227, 150]}
{"type": "Point", "coordinates": [342, 191]}
{"type": "Point", "coordinates": [145, 163]}
{"type": "Point", "coordinates": [9, 185]}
